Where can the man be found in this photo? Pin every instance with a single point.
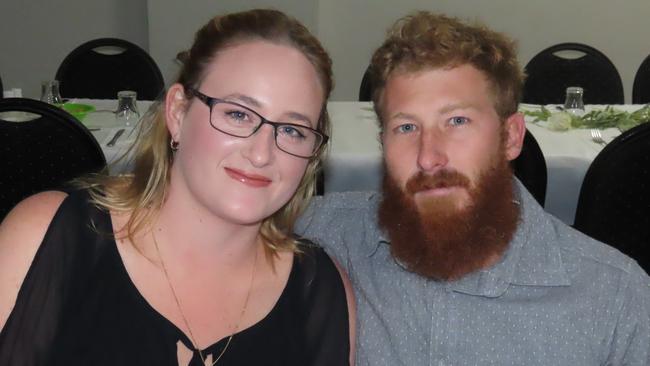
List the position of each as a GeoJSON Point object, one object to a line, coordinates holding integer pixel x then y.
{"type": "Point", "coordinates": [454, 263]}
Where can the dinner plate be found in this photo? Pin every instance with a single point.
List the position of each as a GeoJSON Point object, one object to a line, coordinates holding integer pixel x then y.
{"type": "Point", "coordinates": [78, 110]}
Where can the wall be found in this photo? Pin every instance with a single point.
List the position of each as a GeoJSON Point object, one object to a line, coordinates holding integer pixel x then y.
{"type": "Point", "coordinates": [172, 23]}
{"type": "Point", "coordinates": [36, 35]}
{"type": "Point", "coordinates": [619, 29]}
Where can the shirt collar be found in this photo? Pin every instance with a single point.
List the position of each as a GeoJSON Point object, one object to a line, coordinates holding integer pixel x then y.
{"type": "Point", "coordinates": [532, 259]}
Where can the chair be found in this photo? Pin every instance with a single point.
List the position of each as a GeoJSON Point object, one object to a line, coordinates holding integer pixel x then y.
{"type": "Point", "coordinates": [87, 73]}
{"type": "Point", "coordinates": [530, 168]}
{"type": "Point", "coordinates": [614, 202]}
{"type": "Point", "coordinates": [42, 153]}
{"type": "Point", "coordinates": [549, 74]}
{"type": "Point", "coordinates": [365, 89]}
{"type": "Point", "coordinates": [641, 88]}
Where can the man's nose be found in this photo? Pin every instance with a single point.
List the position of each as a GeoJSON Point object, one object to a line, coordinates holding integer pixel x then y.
{"type": "Point", "coordinates": [432, 155]}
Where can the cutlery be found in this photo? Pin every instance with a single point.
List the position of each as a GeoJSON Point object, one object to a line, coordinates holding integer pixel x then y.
{"type": "Point", "coordinates": [115, 137]}
{"type": "Point", "coordinates": [597, 137]}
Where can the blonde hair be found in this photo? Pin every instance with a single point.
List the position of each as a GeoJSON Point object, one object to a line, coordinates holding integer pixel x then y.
{"type": "Point", "coordinates": [424, 40]}
{"type": "Point", "coordinates": [143, 192]}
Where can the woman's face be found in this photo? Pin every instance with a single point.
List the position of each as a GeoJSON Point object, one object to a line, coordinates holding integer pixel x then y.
{"type": "Point", "coordinates": [244, 180]}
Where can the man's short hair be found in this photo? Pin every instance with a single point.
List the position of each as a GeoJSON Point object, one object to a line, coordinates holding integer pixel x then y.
{"type": "Point", "coordinates": [423, 41]}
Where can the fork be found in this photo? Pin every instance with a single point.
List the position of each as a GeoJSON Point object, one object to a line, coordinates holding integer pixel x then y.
{"type": "Point", "coordinates": [597, 137]}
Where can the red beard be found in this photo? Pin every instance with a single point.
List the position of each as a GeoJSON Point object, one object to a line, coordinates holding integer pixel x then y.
{"type": "Point", "coordinates": [437, 239]}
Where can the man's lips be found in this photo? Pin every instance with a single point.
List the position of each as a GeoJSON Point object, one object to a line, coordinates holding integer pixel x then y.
{"type": "Point", "coordinates": [249, 179]}
{"type": "Point", "coordinates": [438, 191]}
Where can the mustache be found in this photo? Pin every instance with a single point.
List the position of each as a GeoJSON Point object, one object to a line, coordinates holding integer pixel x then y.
{"type": "Point", "coordinates": [442, 179]}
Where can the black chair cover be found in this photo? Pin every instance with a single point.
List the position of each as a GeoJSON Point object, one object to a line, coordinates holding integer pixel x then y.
{"type": "Point", "coordinates": [86, 73]}
{"type": "Point", "coordinates": [614, 202]}
{"type": "Point", "coordinates": [365, 89]}
{"type": "Point", "coordinates": [641, 88]}
{"type": "Point", "coordinates": [530, 168]}
{"type": "Point", "coordinates": [42, 153]}
{"type": "Point", "coordinates": [549, 75]}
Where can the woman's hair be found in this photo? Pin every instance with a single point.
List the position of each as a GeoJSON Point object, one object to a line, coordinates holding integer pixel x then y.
{"type": "Point", "coordinates": [423, 41]}
{"type": "Point", "coordinates": [143, 192]}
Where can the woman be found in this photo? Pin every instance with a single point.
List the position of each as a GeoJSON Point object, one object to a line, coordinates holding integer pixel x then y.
{"type": "Point", "coordinates": [190, 260]}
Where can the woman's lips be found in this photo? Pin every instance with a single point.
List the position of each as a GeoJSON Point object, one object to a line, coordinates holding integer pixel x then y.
{"type": "Point", "coordinates": [252, 180]}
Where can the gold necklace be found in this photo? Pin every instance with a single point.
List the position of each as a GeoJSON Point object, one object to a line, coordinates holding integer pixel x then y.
{"type": "Point", "coordinates": [180, 310]}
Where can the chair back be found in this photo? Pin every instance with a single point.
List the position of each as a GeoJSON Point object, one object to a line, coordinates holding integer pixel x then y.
{"type": "Point", "coordinates": [98, 69]}
{"type": "Point", "coordinates": [614, 202]}
{"type": "Point", "coordinates": [365, 89]}
{"type": "Point", "coordinates": [530, 168]}
{"type": "Point", "coordinates": [549, 74]}
{"type": "Point", "coordinates": [641, 87]}
{"type": "Point", "coordinates": [42, 153]}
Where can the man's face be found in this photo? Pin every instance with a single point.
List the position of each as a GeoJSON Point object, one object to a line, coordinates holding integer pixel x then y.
{"type": "Point", "coordinates": [443, 121]}
{"type": "Point", "coordinates": [448, 196]}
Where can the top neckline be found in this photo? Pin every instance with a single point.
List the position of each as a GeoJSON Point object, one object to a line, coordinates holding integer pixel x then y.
{"type": "Point", "coordinates": [163, 321]}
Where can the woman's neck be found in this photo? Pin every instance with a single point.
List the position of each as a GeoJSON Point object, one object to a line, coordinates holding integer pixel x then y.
{"type": "Point", "coordinates": [193, 233]}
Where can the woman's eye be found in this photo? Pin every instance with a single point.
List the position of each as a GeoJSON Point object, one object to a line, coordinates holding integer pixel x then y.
{"type": "Point", "coordinates": [405, 128]}
{"type": "Point", "coordinates": [458, 121]}
{"type": "Point", "coordinates": [291, 131]}
{"type": "Point", "coordinates": [237, 115]}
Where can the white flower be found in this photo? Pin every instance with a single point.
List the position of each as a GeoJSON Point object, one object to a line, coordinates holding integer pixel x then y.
{"type": "Point", "coordinates": [560, 121]}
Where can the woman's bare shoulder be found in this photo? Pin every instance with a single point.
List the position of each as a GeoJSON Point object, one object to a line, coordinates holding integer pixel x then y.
{"type": "Point", "coordinates": [21, 234]}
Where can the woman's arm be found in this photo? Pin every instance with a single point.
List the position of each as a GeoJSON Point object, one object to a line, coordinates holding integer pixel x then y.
{"type": "Point", "coordinates": [21, 234]}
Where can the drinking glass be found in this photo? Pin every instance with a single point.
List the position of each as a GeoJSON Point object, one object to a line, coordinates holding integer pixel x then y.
{"type": "Point", "coordinates": [50, 92]}
{"type": "Point", "coordinates": [573, 102]}
{"type": "Point", "coordinates": [127, 110]}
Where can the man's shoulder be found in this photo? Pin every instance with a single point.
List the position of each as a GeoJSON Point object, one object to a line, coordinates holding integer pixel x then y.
{"type": "Point", "coordinates": [581, 253]}
{"type": "Point", "coordinates": [349, 200]}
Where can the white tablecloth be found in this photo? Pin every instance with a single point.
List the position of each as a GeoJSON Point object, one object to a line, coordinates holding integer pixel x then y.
{"type": "Point", "coordinates": [354, 161]}
{"type": "Point", "coordinates": [355, 156]}
{"type": "Point", "coordinates": [104, 126]}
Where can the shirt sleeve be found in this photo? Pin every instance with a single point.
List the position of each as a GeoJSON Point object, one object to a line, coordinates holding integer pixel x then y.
{"type": "Point", "coordinates": [328, 225]}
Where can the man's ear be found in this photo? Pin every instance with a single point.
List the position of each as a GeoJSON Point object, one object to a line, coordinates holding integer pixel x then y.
{"type": "Point", "coordinates": [515, 130]}
{"type": "Point", "coordinates": [175, 107]}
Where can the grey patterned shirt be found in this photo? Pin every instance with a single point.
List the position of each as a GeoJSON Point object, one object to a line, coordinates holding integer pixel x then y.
{"type": "Point", "coordinates": [556, 297]}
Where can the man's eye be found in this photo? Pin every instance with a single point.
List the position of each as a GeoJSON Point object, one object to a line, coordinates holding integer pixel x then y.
{"type": "Point", "coordinates": [458, 121]}
{"type": "Point", "coordinates": [405, 128]}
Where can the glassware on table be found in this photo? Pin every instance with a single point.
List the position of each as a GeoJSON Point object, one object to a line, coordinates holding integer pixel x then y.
{"type": "Point", "coordinates": [50, 93]}
{"type": "Point", "coordinates": [573, 102]}
{"type": "Point", "coordinates": [127, 113]}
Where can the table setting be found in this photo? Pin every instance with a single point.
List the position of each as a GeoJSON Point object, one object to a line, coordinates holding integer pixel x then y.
{"type": "Point", "coordinates": [569, 140]}
{"type": "Point", "coordinates": [354, 161]}
{"type": "Point", "coordinates": [113, 123]}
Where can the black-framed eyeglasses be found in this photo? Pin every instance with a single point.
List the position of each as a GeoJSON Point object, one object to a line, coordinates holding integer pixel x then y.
{"type": "Point", "coordinates": [237, 120]}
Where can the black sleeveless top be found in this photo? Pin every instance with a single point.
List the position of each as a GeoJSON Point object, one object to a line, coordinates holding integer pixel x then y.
{"type": "Point", "coordinates": [78, 306]}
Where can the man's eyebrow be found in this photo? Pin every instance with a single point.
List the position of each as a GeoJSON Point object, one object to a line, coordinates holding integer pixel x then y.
{"type": "Point", "coordinates": [250, 101]}
{"type": "Point", "coordinates": [403, 115]}
{"type": "Point", "coordinates": [455, 106]}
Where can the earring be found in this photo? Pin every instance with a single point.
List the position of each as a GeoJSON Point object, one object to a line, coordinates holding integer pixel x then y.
{"type": "Point", "coordinates": [174, 145]}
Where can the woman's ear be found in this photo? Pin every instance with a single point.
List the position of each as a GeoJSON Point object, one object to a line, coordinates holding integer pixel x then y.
{"type": "Point", "coordinates": [175, 107]}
